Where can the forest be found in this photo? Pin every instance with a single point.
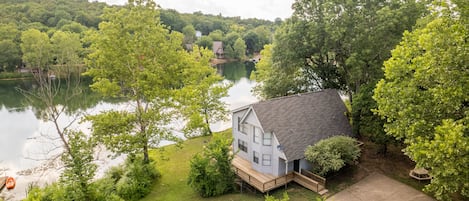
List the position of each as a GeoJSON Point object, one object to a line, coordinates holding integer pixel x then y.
{"type": "Point", "coordinates": [402, 66]}
{"type": "Point", "coordinates": [240, 37]}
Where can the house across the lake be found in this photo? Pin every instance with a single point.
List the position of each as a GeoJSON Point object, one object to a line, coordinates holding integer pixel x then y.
{"type": "Point", "coordinates": [217, 49]}
{"type": "Point", "coordinates": [270, 137]}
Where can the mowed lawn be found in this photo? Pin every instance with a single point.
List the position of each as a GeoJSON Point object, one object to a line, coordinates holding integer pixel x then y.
{"type": "Point", "coordinates": [174, 167]}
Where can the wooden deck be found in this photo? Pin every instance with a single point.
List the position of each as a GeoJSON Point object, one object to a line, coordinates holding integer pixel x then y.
{"type": "Point", "coordinates": [266, 182]}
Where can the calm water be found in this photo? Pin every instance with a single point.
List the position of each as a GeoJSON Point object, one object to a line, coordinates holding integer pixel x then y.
{"type": "Point", "coordinates": [22, 131]}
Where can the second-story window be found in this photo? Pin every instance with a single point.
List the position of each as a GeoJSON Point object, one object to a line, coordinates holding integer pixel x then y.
{"type": "Point", "coordinates": [257, 134]}
{"type": "Point", "coordinates": [267, 139]}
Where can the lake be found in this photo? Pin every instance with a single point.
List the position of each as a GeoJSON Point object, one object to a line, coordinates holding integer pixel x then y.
{"type": "Point", "coordinates": [26, 140]}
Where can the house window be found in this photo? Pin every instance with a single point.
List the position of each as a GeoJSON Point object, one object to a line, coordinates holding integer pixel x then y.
{"type": "Point", "coordinates": [242, 145]}
{"type": "Point", "coordinates": [255, 157]}
{"type": "Point", "coordinates": [243, 128]}
{"type": "Point", "coordinates": [266, 159]}
{"type": "Point", "coordinates": [267, 140]}
{"type": "Point", "coordinates": [257, 134]}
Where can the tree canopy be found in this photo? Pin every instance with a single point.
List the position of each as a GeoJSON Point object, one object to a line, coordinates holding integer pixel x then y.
{"type": "Point", "coordinates": [424, 99]}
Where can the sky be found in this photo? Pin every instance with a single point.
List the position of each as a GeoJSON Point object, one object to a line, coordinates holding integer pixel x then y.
{"type": "Point", "coordinates": [261, 9]}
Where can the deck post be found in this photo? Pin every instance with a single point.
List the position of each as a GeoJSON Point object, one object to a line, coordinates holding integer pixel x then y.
{"type": "Point", "coordinates": [286, 172]}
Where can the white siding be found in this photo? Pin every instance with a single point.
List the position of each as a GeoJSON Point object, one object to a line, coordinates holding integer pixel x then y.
{"type": "Point", "coordinates": [237, 135]}
{"type": "Point", "coordinates": [304, 164]}
{"type": "Point", "coordinates": [278, 158]}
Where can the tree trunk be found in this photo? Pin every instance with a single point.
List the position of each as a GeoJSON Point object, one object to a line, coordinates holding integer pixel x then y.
{"type": "Point", "coordinates": [146, 158]}
{"type": "Point", "coordinates": [207, 124]}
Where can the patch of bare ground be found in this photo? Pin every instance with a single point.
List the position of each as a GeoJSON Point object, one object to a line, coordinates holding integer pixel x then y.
{"type": "Point", "coordinates": [394, 164]}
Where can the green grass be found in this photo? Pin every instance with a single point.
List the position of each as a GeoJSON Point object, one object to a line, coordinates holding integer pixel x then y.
{"type": "Point", "coordinates": [174, 168]}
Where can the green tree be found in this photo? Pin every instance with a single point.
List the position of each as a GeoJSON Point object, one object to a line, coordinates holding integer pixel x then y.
{"type": "Point", "coordinates": [239, 48]}
{"type": "Point", "coordinates": [9, 47]}
{"type": "Point", "coordinates": [423, 98]}
{"type": "Point", "coordinates": [339, 44]}
{"type": "Point", "coordinates": [228, 44]}
{"type": "Point", "coordinates": [189, 34]}
{"type": "Point", "coordinates": [272, 82]}
{"type": "Point", "coordinates": [36, 48]}
{"type": "Point", "coordinates": [252, 42]}
{"type": "Point", "coordinates": [79, 167]}
{"type": "Point", "coordinates": [205, 42]}
{"type": "Point", "coordinates": [331, 154]}
{"type": "Point", "coordinates": [211, 173]}
{"type": "Point", "coordinates": [202, 101]}
{"type": "Point", "coordinates": [135, 57]}
{"type": "Point", "coordinates": [216, 35]}
{"type": "Point", "coordinates": [67, 48]}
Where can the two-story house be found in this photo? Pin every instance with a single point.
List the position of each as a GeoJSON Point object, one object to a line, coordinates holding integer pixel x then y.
{"type": "Point", "coordinates": [271, 136]}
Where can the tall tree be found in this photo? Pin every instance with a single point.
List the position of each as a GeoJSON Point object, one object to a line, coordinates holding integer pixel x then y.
{"type": "Point", "coordinates": [239, 48]}
{"type": "Point", "coordinates": [134, 56]}
{"type": "Point", "coordinates": [189, 34]}
{"type": "Point", "coordinates": [340, 44]}
{"type": "Point", "coordinates": [205, 42]}
{"type": "Point", "coordinates": [36, 48]}
{"type": "Point", "coordinates": [202, 104]}
{"type": "Point", "coordinates": [9, 47]}
{"type": "Point", "coordinates": [54, 96]}
{"type": "Point", "coordinates": [425, 101]}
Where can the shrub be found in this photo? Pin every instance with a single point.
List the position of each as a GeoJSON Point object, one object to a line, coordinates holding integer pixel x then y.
{"type": "Point", "coordinates": [331, 154]}
{"type": "Point", "coordinates": [137, 180]}
{"type": "Point", "coordinates": [272, 198]}
{"type": "Point", "coordinates": [211, 172]}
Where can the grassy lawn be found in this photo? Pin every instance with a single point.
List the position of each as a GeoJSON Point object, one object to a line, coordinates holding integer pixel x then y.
{"type": "Point", "coordinates": [174, 168]}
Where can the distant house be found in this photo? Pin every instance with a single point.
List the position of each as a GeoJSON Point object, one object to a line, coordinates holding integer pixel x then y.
{"type": "Point", "coordinates": [217, 48]}
{"type": "Point", "coordinates": [198, 34]}
{"type": "Point", "coordinates": [270, 137]}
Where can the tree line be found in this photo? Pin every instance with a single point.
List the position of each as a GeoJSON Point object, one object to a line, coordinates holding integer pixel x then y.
{"type": "Point", "coordinates": [80, 16]}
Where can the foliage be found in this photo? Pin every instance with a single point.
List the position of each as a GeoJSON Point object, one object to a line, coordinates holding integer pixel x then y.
{"type": "Point", "coordinates": [331, 154]}
{"type": "Point", "coordinates": [79, 167]}
{"type": "Point", "coordinates": [131, 181]}
{"type": "Point", "coordinates": [337, 44]}
{"type": "Point", "coordinates": [189, 34]}
{"type": "Point", "coordinates": [239, 49]}
{"type": "Point", "coordinates": [272, 83]}
{"type": "Point", "coordinates": [272, 198]}
{"type": "Point", "coordinates": [137, 180]}
{"type": "Point", "coordinates": [424, 99]}
{"type": "Point", "coordinates": [211, 172]}
{"type": "Point", "coordinates": [201, 100]}
{"type": "Point", "coordinates": [216, 35]}
{"type": "Point", "coordinates": [149, 71]}
{"type": "Point", "coordinates": [36, 48]}
{"type": "Point", "coordinates": [369, 124]}
{"type": "Point", "coordinates": [205, 42]}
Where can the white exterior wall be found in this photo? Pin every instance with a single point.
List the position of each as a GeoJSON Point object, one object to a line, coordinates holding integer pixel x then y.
{"type": "Point", "coordinates": [238, 135]}
{"type": "Point", "coordinates": [276, 167]}
{"type": "Point", "coordinates": [304, 164]}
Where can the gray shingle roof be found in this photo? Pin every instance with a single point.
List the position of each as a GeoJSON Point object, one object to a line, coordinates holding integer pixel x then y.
{"type": "Point", "coordinates": [303, 119]}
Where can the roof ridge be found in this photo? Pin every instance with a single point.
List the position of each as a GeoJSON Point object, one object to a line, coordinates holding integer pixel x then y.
{"type": "Point", "coordinates": [291, 96]}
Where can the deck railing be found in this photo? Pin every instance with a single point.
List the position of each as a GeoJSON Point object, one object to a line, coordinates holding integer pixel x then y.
{"type": "Point", "coordinates": [315, 177]}
{"type": "Point", "coordinates": [301, 179]}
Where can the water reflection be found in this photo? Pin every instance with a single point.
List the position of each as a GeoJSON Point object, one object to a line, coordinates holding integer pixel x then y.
{"type": "Point", "coordinates": [21, 125]}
